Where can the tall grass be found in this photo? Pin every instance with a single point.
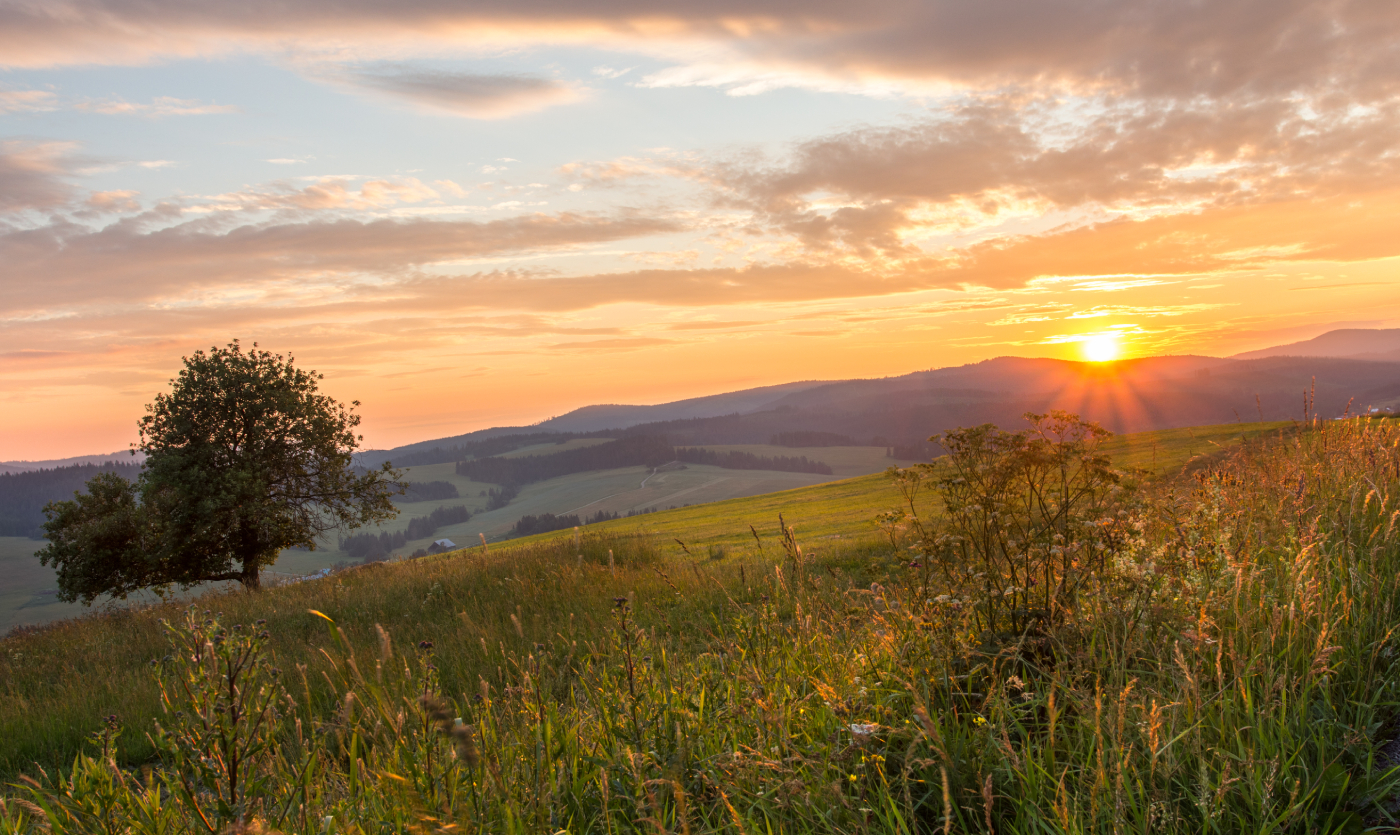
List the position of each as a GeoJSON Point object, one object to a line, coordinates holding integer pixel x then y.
{"type": "Point", "coordinates": [1230, 669]}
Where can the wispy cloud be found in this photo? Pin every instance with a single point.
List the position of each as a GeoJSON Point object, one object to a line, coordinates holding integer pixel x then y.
{"type": "Point", "coordinates": [156, 108]}
{"type": "Point", "coordinates": [464, 94]}
{"type": "Point", "coordinates": [27, 101]}
{"type": "Point", "coordinates": [31, 174]}
{"type": "Point", "coordinates": [1141, 46]}
{"type": "Point", "coordinates": [197, 262]}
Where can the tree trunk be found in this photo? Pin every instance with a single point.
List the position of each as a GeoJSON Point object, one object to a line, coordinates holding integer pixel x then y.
{"type": "Point", "coordinates": [251, 578]}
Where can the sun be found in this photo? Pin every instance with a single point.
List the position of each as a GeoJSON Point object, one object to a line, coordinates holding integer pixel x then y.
{"type": "Point", "coordinates": [1101, 347]}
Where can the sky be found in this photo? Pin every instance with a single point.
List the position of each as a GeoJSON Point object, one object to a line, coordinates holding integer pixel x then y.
{"type": "Point", "coordinates": [467, 214]}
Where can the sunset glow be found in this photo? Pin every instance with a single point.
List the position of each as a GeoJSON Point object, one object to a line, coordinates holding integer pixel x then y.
{"type": "Point", "coordinates": [492, 213]}
{"type": "Point", "coordinates": [1101, 348]}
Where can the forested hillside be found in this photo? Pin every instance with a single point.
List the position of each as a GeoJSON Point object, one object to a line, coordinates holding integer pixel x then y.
{"type": "Point", "coordinates": [646, 450]}
{"type": "Point", "coordinates": [736, 460]}
{"type": "Point", "coordinates": [23, 495]}
{"type": "Point", "coordinates": [643, 450]}
{"type": "Point", "coordinates": [1126, 396]}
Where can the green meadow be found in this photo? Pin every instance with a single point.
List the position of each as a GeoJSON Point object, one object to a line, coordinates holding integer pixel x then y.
{"type": "Point", "coordinates": [1230, 665]}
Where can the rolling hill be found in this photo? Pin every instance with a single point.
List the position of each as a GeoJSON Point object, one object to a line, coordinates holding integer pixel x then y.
{"type": "Point", "coordinates": [1355, 343]}
{"type": "Point", "coordinates": [1127, 396]}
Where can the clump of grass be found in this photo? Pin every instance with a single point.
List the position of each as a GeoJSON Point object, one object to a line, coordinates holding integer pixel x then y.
{"type": "Point", "coordinates": [1228, 667]}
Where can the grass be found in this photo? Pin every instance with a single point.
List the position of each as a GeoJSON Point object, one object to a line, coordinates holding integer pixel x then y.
{"type": "Point", "coordinates": [28, 595]}
{"type": "Point", "coordinates": [845, 461]}
{"type": "Point", "coordinates": [1233, 669]}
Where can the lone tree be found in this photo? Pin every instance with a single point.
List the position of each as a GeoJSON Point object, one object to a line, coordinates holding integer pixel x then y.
{"type": "Point", "coordinates": [243, 459]}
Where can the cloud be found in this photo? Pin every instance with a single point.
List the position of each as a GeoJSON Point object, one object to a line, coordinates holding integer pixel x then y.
{"type": "Point", "coordinates": [1146, 47]}
{"type": "Point", "coordinates": [160, 106]}
{"type": "Point", "coordinates": [463, 94]}
{"type": "Point", "coordinates": [30, 174]}
{"type": "Point", "coordinates": [325, 194]}
{"type": "Point", "coordinates": [198, 263]}
{"type": "Point", "coordinates": [1007, 159]}
{"type": "Point", "coordinates": [608, 346]}
{"type": "Point", "coordinates": [698, 326]}
{"type": "Point", "coordinates": [27, 101]}
{"type": "Point", "coordinates": [118, 202]}
{"type": "Point", "coordinates": [344, 266]}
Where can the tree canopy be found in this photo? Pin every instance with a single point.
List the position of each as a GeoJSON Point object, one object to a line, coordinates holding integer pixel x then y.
{"type": "Point", "coordinates": [244, 458]}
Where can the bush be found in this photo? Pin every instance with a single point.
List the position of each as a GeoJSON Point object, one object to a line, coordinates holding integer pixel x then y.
{"type": "Point", "coordinates": [1023, 519]}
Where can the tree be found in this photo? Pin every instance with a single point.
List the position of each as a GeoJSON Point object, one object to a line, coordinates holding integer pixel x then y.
{"type": "Point", "coordinates": [244, 459]}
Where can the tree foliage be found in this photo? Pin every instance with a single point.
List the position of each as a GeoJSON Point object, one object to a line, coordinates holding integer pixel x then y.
{"type": "Point", "coordinates": [244, 458]}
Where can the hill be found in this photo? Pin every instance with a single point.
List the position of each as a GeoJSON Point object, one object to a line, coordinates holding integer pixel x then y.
{"type": "Point", "coordinates": [1354, 343]}
{"type": "Point", "coordinates": [821, 679]}
{"type": "Point", "coordinates": [1126, 396]}
{"type": "Point", "coordinates": [58, 463]}
{"type": "Point", "coordinates": [24, 494]}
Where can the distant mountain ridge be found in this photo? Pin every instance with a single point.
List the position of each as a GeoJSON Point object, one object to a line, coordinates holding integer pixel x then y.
{"type": "Point", "coordinates": [610, 416]}
{"type": "Point", "coordinates": [1354, 343]}
{"type": "Point", "coordinates": [1125, 396]}
{"type": "Point", "coordinates": [124, 457]}
{"type": "Point", "coordinates": [1355, 366]}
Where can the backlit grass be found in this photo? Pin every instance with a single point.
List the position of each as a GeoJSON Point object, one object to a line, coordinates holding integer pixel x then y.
{"type": "Point", "coordinates": [1232, 670]}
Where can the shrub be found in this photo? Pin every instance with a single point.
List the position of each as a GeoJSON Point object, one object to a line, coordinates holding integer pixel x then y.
{"type": "Point", "coordinates": [1023, 519]}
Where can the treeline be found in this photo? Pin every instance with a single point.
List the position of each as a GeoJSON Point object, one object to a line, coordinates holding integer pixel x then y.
{"type": "Point", "coordinates": [546, 522]}
{"type": "Point", "coordinates": [736, 460]}
{"type": "Point", "coordinates": [427, 491]}
{"type": "Point", "coordinates": [499, 498]}
{"type": "Point", "coordinates": [808, 438]}
{"type": "Point", "coordinates": [23, 495]}
{"type": "Point", "coordinates": [370, 547]}
{"type": "Point", "coordinates": [647, 450]}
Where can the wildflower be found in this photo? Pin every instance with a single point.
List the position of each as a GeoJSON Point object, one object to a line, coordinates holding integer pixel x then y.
{"type": "Point", "coordinates": [854, 778]}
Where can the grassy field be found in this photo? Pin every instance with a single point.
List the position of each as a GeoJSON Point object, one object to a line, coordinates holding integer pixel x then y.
{"type": "Point", "coordinates": [27, 594]}
{"type": "Point", "coordinates": [1232, 668]}
{"type": "Point", "coordinates": [822, 507]}
{"type": "Point", "coordinates": [624, 490]}
{"type": "Point", "coordinates": [845, 461]}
